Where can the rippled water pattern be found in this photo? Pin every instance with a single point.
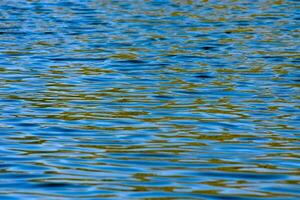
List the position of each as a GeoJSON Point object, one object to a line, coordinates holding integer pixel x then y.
{"type": "Point", "coordinates": [150, 99]}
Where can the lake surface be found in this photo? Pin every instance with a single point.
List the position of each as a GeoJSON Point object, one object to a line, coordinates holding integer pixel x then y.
{"type": "Point", "coordinates": [150, 99]}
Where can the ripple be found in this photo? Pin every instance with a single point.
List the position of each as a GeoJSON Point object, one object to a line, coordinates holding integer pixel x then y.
{"type": "Point", "coordinates": [149, 99]}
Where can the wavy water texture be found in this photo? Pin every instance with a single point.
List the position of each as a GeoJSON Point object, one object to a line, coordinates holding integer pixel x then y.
{"type": "Point", "coordinates": [149, 99]}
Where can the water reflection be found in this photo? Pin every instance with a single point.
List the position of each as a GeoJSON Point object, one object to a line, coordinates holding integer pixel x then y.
{"type": "Point", "coordinates": [149, 99]}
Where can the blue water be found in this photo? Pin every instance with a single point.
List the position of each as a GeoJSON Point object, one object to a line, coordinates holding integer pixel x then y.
{"type": "Point", "coordinates": [150, 99]}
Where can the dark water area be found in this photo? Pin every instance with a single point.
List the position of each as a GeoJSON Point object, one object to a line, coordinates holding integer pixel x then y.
{"type": "Point", "coordinates": [150, 99]}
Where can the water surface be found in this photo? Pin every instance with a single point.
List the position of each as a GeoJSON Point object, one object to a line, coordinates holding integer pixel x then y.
{"type": "Point", "coordinates": [149, 99]}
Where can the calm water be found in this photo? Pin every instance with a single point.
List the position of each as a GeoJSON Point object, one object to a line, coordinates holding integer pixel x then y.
{"type": "Point", "coordinates": [150, 99]}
